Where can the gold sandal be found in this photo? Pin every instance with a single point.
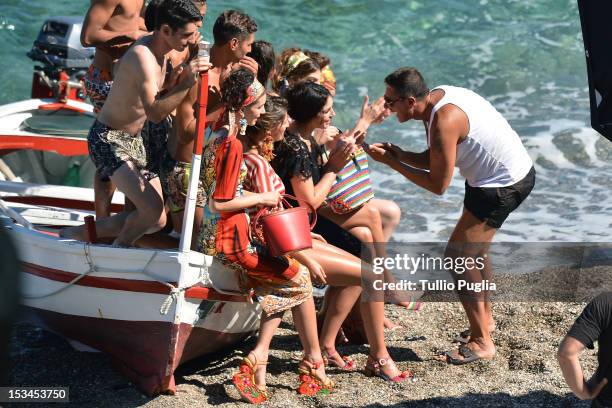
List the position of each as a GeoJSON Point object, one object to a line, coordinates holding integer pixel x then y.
{"type": "Point", "coordinates": [328, 360]}
{"type": "Point", "coordinates": [374, 367]}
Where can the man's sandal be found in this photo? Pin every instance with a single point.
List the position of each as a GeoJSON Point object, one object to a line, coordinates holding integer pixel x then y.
{"type": "Point", "coordinates": [330, 359]}
{"type": "Point", "coordinates": [464, 336]}
{"type": "Point", "coordinates": [310, 382]}
{"type": "Point", "coordinates": [244, 381]}
{"type": "Point", "coordinates": [469, 356]}
{"type": "Point", "coordinates": [374, 368]}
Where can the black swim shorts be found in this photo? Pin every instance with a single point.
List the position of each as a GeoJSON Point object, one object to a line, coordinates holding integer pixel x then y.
{"type": "Point", "coordinates": [494, 204]}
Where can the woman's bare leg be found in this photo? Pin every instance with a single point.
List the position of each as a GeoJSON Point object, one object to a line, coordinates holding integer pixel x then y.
{"type": "Point", "coordinates": [305, 320]}
{"type": "Point", "coordinates": [390, 215]}
{"type": "Point", "coordinates": [344, 275]}
{"type": "Point", "coordinates": [367, 216]}
{"type": "Point", "coordinates": [267, 328]}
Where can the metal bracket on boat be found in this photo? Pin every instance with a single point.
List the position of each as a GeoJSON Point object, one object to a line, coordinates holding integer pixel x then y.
{"type": "Point", "coordinates": [20, 219]}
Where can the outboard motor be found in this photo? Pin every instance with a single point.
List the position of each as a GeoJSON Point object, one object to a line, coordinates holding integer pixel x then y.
{"type": "Point", "coordinates": [64, 60]}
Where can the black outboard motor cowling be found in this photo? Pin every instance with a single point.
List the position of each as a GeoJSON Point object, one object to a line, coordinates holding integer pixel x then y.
{"type": "Point", "coordinates": [59, 45]}
{"type": "Point", "coordinates": [64, 60]}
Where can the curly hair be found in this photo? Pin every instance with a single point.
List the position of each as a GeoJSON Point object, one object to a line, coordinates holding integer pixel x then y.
{"type": "Point", "coordinates": [292, 74]}
{"type": "Point", "coordinates": [233, 24]}
{"type": "Point", "coordinates": [305, 100]}
{"type": "Point", "coordinates": [176, 13]}
{"type": "Point", "coordinates": [234, 89]}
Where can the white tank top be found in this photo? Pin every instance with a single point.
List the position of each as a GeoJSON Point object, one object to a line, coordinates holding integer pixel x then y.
{"type": "Point", "coordinates": [492, 155]}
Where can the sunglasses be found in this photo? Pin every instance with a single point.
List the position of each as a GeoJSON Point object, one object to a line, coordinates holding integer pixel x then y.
{"type": "Point", "coordinates": [390, 102]}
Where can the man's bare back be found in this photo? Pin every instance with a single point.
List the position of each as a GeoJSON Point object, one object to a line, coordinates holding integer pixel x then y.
{"type": "Point", "coordinates": [112, 26]}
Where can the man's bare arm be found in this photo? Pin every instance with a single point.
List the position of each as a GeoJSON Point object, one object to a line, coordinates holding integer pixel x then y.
{"type": "Point", "coordinates": [442, 156]}
{"type": "Point", "coordinates": [156, 107]}
{"type": "Point", "coordinates": [567, 355]}
{"type": "Point", "coordinates": [93, 32]}
{"type": "Point", "coordinates": [414, 159]}
{"type": "Point", "coordinates": [185, 117]}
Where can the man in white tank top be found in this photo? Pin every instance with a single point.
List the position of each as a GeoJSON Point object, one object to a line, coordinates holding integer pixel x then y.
{"type": "Point", "coordinates": [465, 131]}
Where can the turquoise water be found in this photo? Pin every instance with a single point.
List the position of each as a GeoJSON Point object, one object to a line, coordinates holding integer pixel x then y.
{"type": "Point", "coordinates": [526, 57]}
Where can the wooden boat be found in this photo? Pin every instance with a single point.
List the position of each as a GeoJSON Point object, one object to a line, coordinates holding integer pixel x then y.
{"type": "Point", "coordinates": [149, 309]}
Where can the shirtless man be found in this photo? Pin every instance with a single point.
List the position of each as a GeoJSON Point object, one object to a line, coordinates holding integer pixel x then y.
{"type": "Point", "coordinates": [115, 144]}
{"type": "Point", "coordinates": [234, 34]}
{"type": "Point", "coordinates": [111, 26]}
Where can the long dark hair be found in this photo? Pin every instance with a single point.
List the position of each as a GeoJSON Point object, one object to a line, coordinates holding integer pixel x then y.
{"type": "Point", "coordinates": [263, 53]}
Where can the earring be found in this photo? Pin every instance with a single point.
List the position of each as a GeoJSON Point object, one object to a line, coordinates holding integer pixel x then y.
{"type": "Point", "coordinates": [231, 117]}
{"type": "Point", "coordinates": [243, 126]}
{"type": "Point", "coordinates": [266, 150]}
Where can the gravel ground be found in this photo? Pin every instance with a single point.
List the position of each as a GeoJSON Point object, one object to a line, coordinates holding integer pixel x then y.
{"type": "Point", "coordinates": [523, 374]}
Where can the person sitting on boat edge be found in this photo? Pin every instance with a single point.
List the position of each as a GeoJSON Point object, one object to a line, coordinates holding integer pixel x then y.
{"type": "Point", "coordinates": [280, 283]}
{"type": "Point", "coordinates": [111, 27]}
{"type": "Point", "coordinates": [463, 130]}
{"type": "Point", "coordinates": [234, 34]}
{"type": "Point", "coordinates": [296, 161]}
{"type": "Point", "coordinates": [593, 325]}
{"type": "Point", "coordinates": [115, 143]}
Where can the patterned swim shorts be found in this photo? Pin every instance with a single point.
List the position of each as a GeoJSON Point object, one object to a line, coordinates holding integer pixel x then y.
{"type": "Point", "coordinates": [110, 149]}
{"type": "Point", "coordinates": [155, 140]}
{"type": "Point", "coordinates": [175, 183]}
{"type": "Point", "coordinates": [98, 83]}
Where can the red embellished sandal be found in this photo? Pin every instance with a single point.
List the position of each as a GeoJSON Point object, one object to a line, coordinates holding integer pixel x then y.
{"type": "Point", "coordinates": [330, 359]}
{"type": "Point", "coordinates": [374, 368]}
{"type": "Point", "coordinates": [244, 381]}
{"type": "Point", "coordinates": [311, 383]}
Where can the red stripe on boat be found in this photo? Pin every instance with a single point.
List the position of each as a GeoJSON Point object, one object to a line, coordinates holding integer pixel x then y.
{"type": "Point", "coordinates": [60, 145]}
{"type": "Point", "coordinates": [128, 285]}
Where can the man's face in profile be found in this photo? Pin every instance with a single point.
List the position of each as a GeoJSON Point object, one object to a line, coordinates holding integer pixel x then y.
{"type": "Point", "coordinates": [245, 46]}
{"type": "Point", "coordinates": [182, 37]}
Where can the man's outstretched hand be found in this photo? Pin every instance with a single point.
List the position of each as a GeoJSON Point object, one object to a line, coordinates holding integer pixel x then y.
{"type": "Point", "coordinates": [385, 153]}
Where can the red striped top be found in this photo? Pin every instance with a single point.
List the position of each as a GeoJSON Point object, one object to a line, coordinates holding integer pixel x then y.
{"type": "Point", "coordinates": [261, 177]}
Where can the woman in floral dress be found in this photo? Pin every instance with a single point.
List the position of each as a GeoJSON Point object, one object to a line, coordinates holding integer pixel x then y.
{"type": "Point", "coordinates": [280, 283]}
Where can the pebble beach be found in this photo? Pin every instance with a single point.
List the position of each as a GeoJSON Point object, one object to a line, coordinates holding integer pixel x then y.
{"type": "Point", "coordinates": [524, 373]}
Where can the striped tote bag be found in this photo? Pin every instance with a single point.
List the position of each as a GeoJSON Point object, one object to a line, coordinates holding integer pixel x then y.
{"type": "Point", "coordinates": [353, 187]}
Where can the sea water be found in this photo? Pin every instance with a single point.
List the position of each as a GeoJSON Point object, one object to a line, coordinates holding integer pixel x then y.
{"type": "Point", "coordinates": [526, 57]}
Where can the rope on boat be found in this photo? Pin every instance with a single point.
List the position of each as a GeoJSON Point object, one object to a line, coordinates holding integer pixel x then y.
{"type": "Point", "coordinates": [166, 304]}
{"type": "Point", "coordinates": [92, 269]}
